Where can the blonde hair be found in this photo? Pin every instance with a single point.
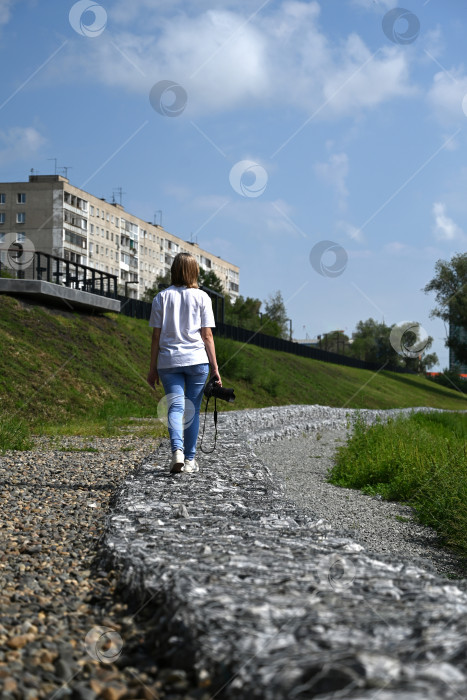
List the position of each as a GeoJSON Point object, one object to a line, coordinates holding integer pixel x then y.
{"type": "Point", "coordinates": [184, 270]}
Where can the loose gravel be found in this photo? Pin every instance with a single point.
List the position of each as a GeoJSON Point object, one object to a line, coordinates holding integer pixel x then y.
{"type": "Point", "coordinates": [54, 592]}
{"type": "Point", "coordinates": [384, 527]}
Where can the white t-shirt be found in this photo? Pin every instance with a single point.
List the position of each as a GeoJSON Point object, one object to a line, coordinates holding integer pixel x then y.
{"type": "Point", "coordinates": [180, 313]}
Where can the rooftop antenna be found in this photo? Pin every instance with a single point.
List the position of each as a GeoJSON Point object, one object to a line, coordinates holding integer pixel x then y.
{"type": "Point", "coordinates": [34, 172]}
{"type": "Point", "coordinates": [65, 169]}
{"type": "Point", "coordinates": [55, 161]}
{"type": "Point", "coordinates": [119, 192]}
{"type": "Point", "coordinates": [159, 211]}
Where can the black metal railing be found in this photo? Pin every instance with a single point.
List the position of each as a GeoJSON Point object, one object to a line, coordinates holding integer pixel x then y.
{"type": "Point", "coordinates": [51, 268]}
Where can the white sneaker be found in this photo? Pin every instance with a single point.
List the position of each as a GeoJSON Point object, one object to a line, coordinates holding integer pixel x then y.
{"type": "Point", "coordinates": [191, 465]}
{"type": "Point", "coordinates": [178, 460]}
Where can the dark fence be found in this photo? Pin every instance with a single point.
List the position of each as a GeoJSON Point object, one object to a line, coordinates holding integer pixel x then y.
{"type": "Point", "coordinates": [272, 343]}
{"type": "Point", "coordinates": [135, 307]}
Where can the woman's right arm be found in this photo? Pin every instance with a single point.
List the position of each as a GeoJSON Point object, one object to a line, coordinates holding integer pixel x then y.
{"type": "Point", "coordinates": [208, 339]}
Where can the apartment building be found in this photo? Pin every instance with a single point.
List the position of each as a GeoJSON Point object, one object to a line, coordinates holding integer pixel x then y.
{"type": "Point", "coordinates": [73, 224]}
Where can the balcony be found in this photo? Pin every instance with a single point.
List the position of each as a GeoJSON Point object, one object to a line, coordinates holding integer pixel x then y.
{"type": "Point", "coordinates": [75, 210]}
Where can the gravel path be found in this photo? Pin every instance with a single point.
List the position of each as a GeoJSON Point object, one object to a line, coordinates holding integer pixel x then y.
{"type": "Point", "coordinates": [381, 526]}
{"type": "Point", "coordinates": [53, 506]}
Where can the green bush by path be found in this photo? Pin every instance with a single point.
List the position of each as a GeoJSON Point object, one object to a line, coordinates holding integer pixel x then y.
{"type": "Point", "coordinates": [420, 460]}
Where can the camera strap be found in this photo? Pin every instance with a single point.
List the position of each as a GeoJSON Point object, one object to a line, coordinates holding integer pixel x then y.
{"type": "Point", "coordinates": [208, 452]}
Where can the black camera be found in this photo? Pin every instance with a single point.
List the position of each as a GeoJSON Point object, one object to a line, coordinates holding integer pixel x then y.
{"type": "Point", "coordinates": [219, 392]}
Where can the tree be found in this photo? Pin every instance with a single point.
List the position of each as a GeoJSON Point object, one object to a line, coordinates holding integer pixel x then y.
{"type": "Point", "coordinates": [276, 320]}
{"type": "Point", "coordinates": [210, 280]}
{"type": "Point", "coordinates": [335, 341]}
{"type": "Point", "coordinates": [450, 287]}
{"type": "Point", "coordinates": [151, 292]}
{"type": "Point", "coordinates": [371, 343]}
{"type": "Point", "coordinates": [243, 312]}
{"type": "Point", "coordinates": [379, 343]}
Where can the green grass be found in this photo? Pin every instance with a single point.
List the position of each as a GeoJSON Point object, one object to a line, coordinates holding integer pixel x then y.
{"type": "Point", "coordinates": [66, 373]}
{"type": "Point", "coordinates": [420, 460]}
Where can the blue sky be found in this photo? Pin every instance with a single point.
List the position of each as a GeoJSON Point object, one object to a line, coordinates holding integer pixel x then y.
{"type": "Point", "coordinates": [294, 123]}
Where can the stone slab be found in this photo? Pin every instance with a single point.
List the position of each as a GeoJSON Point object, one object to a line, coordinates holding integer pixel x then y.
{"type": "Point", "coordinates": [265, 601]}
{"type": "Point", "coordinates": [57, 294]}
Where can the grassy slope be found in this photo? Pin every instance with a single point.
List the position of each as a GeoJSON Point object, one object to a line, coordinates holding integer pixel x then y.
{"type": "Point", "coordinates": [61, 368]}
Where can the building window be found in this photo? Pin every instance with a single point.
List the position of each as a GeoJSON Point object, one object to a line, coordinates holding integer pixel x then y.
{"type": "Point", "coordinates": [102, 214]}
{"type": "Point", "coordinates": [107, 251]}
{"type": "Point", "coordinates": [91, 209]}
{"type": "Point", "coordinates": [107, 235]}
{"type": "Point", "coordinates": [112, 236]}
{"type": "Point", "coordinates": [2, 198]}
{"type": "Point", "coordinates": [97, 212]}
{"type": "Point", "coordinates": [2, 218]}
{"type": "Point", "coordinates": [21, 198]}
{"type": "Point", "coordinates": [20, 237]}
{"type": "Point", "coordinates": [91, 228]}
{"type": "Point", "coordinates": [21, 218]}
{"type": "Point", "coordinates": [116, 221]}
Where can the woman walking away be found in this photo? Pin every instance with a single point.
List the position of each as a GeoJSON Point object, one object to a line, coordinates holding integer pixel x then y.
{"type": "Point", "coordinates": [182, 351]}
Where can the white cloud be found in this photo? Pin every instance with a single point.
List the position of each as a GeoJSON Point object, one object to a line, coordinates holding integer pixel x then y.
{"type": "Point", "coordinates": [5, 10]}
{"type": "Point", "coordinates": [445, 228]}
{"type": "Point", "coordinates": [19, 143]}
{"type": "Point", "coordinates": [446, 96]}
{"type": "Point", "coordinates": [225, 59]}
{"type": "Point", "coordinates": [376, 5]}
{"type": "Point", "coordinates": [211, 202]}
{"type": "Point", "coordinates": [395, 248]}
{"type": "Point", "coordinates": [352, 231]}
{"type": "Point", "coordinates": [335, 172]}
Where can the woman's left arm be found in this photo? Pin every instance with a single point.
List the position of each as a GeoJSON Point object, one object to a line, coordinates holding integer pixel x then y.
{"type": "Point", "coordinates": [153, 375]}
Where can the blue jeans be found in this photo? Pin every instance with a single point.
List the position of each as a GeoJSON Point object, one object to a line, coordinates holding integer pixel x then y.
{"type": "Point", "coordinates": [183, 387]}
